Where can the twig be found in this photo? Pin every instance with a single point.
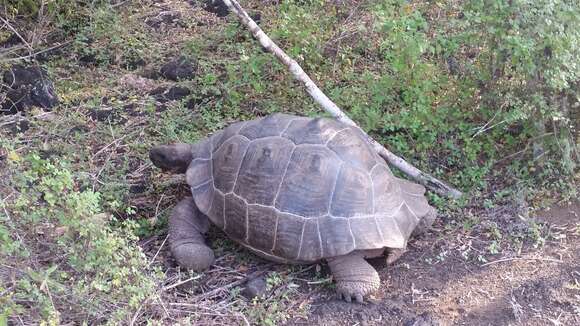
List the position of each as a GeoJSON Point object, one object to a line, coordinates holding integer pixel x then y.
{"type": "Point", "coordinates": [17, 34]}
{"type": "Point", "coordinates": [246, 322]}
{"type": "Point", "coordinates": [193, 278]}
{"type": "Point", "coordinates": [158, 250]}
{"type": "Point", "coordinates": [119, 4]}
{"type": "Point", "coordinates": [32, 55]}
{"type": "Point", "coordinates": [326, 280]}
{"type": "Point", "coordinates": [525, 148]}
{"type": "Point", "coordinates": [114, 142]}
{"type": "Point", "coordinates": [330, 107]}
{"type": "Point", "coordinates": [137, 312]}
{"type": "Point", "coordinates": [521, 258]}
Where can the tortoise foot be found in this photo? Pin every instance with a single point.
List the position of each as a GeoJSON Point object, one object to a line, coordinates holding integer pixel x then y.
{"type": "Point", "coordinates": [355, 278]}
{"type": "Point", "coordinates": [356, 291]}
{"type": "Point", "coordinates": [197, 257]}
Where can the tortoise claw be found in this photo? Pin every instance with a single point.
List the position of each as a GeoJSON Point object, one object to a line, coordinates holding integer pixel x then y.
{"type": "Point", "coordinates": [359, 298]}
{"type": "Point", "coordinates": [348, 297]}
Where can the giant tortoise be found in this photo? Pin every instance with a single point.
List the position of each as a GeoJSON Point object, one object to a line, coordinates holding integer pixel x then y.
{"type": "Point", "coordinates": [294, 190]}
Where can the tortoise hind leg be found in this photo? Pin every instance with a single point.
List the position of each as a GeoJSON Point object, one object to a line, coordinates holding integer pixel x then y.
{"type": "Point", "coordinates": [186, 228]}
{"type": "Point", "coordinates": [355, 278]}
{"type": "Point", "coordinates": [174, 157]}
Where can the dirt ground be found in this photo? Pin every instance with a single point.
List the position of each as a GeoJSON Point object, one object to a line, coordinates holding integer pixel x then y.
{"type": "Point", "coordinates": [433, 283]}
{"type": "Point", "coordinates": [539, 287]}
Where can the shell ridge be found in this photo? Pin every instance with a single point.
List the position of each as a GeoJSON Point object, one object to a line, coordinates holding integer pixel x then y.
{"type": "Point", "coordinates": [319, 236]}
{"type": "Point", "coordinates": [225, 141]}
{"type": "Point", "coordinates": [275, 233]}
{"type": "Point", "coordinates": [240, 168]}
{"type": "Point", "coordinates": [334, 135]}
{"type": "Point", "coordinates": [283, 176]}
{"type": "Point", "coordinates": [333, 189]}
{"type": "Point", "coordinates": [351, 233]}
{"type": "Point", "coordinates": [301, 240]}
{"type": "Point", "coordinates": [286, 128]}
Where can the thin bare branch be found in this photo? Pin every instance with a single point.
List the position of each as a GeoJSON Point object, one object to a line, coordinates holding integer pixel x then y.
{"type": "Point", "coordinates": [329, 106]}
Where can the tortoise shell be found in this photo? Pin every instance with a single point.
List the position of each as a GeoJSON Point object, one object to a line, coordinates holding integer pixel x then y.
{"type": "Point", "coordinates": [299, 189]}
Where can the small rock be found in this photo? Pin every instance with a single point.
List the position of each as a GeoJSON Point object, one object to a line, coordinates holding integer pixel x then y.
{"type": "Point", "coordinates": [178, 69]}
{"type": "Point", "coordinates": [257, 17]}
{"type": "Point", "coordinates": [177, 93]}
{"type": "Point", "coordinates": [137, 188]}
{"type": "Point", "coordinates": [217, 7]}
{"type": "Point", "coordinates": [193, 103]}
{"type": "Point", "coordinates": [254, 288]}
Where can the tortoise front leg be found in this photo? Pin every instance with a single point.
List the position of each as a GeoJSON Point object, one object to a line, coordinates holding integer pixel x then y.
{"type": "Point", "coordinates": [355, 278]}
{"type": "Point", "coordinates": [393, 254]}
{"type": "Point", "coordinates": [186, 226]}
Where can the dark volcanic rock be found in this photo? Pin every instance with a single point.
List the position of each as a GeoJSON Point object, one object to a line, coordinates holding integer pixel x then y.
{"type": "Point", "coordinates": [179, 69]}
{"type": "Point", "coordinates": [19, 76]}
{"type": "Point", "coordinates": [25, 87]}
{"type": "Point", "coordinates": [138, 188]}
{"type": "Point", "coordinates": [255, 287]}
{"type": "Point", "coordinates": [217, 7]}
{"type": "Point", "coordinates": [175, 93]}
{"type": "Point", "coordinates": [43, 94]}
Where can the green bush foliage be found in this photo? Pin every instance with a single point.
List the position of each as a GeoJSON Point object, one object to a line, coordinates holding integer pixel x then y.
{"type": "Point", "coordinates": [65, 256]}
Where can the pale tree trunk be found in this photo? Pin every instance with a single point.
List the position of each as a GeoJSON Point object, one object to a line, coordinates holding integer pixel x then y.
{"type": "Point", "coordinates": [319, 97]}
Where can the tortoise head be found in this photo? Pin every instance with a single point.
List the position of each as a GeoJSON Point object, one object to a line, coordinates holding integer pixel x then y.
{"type": "Point", "coordinates": [175, 157]}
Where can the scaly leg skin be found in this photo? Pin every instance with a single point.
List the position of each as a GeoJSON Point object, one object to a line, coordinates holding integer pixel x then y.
{"type": "Point", "coordinates": [355, 278]}
{"type": "Point", "coordinates": [186, 228]}
{"type": "Point", "coordinates": [393, 254]}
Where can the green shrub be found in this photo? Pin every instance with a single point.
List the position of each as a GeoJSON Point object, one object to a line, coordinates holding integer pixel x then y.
{"type": "Point", "coordinates": [69, 262]}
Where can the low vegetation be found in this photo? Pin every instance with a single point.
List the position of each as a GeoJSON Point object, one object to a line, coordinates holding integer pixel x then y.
{"type": "Point", "coordinates": [483, 95]}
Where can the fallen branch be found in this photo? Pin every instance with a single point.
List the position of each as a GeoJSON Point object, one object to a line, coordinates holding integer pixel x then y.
{"type": "Point", "coordinates": [427, 180]}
